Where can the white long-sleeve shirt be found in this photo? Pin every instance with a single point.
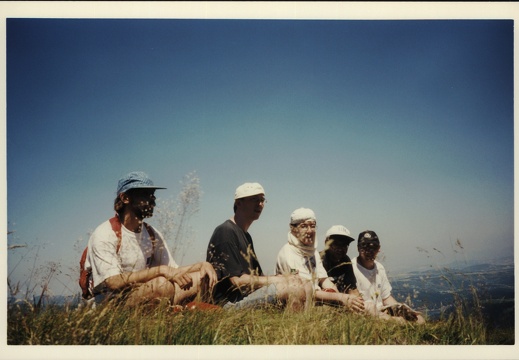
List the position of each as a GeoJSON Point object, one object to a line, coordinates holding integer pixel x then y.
{"type": "Point", "coordinates": [372, 284]}
{"type": "Point", "coordinates": [290, 260]}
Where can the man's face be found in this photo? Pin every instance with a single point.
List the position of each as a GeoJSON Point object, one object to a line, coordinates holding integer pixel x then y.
{"type": "Point", "coordinates": [305, 231]}
{"type": "Point", "coordinates": [337, 246]}
{"type": "Point", "coordinates": [142, 202]}
{"type": "Point", "coordinates": [252, 206]}
{"type": "Point", "coordinates": [368, 252]}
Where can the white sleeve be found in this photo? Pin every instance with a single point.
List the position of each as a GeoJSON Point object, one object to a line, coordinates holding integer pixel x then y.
{"type": "Point", "coordinates": [102, 253]}
{"type": "Point", "coordinates": [386, 288]}
{"type": "Point", "coordinates": [282, 265]}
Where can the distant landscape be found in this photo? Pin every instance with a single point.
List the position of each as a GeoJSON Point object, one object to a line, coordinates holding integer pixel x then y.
{"type": "Point", "coordinates": [434, 291]}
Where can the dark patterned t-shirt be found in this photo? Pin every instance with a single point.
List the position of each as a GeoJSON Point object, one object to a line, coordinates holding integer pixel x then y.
{"type": "Point", "coordinates": [342, 274]}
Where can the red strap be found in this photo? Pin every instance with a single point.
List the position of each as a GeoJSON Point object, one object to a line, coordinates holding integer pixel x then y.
{"type": "Point", "coordinates": [151, 233]}
{"type": "Point", "coordinates": [116, 227]}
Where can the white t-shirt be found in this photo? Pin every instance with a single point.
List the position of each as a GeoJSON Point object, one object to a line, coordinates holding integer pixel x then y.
{"type": "Point", "coordinates": [135, 253]}
{"type": "Point", "coordinates": [290, 260]}
{"type": "Point", "coordinates": [373, 284]}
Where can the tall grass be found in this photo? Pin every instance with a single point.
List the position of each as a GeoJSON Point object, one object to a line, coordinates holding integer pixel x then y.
{"type": "Point", "coordinates": [113, 324]}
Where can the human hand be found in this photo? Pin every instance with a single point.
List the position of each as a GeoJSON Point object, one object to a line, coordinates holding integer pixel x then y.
{"type": "Point", "coordinates": [413, 315]}
{"type": "Point", "coordinates": [409, 314]}
{"type": "Point", "coordinates": [355, 303]}
{"type": "Point", "coordinates": [420, 320]}
{"type": "Point", "coordinates": [182, 278]}
{"type": "Point", "coordinates": [206, 269]}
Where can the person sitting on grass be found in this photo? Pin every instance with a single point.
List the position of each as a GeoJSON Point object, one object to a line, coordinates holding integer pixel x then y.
{"type": "Point", "coordinates": [299, 256]}
{"type": "Point", "coordinates": [373, 283]}
{"type": "Point", "coordinates": [135, 265]}
{"type": "Point", "coordinates": [241, 282]}
{"type": "Point", "coordinates": [336, 260]}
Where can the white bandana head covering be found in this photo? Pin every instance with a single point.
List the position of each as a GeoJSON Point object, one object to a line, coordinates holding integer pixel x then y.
{"type": "Point", "coordinates": [298, 216]}
{"type": "Point", "coordinates": [302, 214]}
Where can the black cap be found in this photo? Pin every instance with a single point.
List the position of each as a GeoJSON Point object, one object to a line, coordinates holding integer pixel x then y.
{"type": "Point", "coordinates": [368, 238]}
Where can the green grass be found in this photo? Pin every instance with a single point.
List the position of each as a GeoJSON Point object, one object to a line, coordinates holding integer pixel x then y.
{"type": "Point", "coordinates": [158, 325]}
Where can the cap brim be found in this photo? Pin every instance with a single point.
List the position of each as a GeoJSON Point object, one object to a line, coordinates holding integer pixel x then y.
{"type": "Point", "coordinates": [249, 195]}
{"type": "Point", "coordinates": [369, 242]}
{"type": "Point", "coordinates": [342, 237]}
{"type": "Point", "coordinates": [146, 187]}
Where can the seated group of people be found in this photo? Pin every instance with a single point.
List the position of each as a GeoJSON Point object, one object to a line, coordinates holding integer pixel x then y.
{"type": "Point", "coordinates": [132, 261]}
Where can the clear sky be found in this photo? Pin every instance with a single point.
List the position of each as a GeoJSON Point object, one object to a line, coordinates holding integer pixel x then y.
{"type": "Point", "coordinates": [402, 127]}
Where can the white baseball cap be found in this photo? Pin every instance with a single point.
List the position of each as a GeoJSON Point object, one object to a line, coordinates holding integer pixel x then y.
{"type": "Point", "coordinates": [302, 214]}
{"type": "Point", "coordinates": [338, 230]}
{"type": "Point", "coordinates": [248, 189]}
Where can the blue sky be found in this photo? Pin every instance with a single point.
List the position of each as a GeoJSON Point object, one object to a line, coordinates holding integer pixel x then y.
{"type": "Point", "coordinates": [402, 127]}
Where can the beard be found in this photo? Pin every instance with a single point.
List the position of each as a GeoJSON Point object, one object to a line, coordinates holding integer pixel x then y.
{"type": "Point", "coordinates": [147, 212]}
{"type": "Point", "coordinates": [143, 210]}
{"type": "Point", "coordinates": [370, 255]}
{"type": "Point", "coordinates": [306, 239]}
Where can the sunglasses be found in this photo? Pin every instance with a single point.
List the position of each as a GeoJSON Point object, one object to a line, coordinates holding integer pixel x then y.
{"type": "Point", "coordinates": [369, 247]}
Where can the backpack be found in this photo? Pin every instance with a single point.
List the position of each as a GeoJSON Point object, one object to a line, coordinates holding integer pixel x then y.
{"type": "Point", "coordinates": [86, 281]}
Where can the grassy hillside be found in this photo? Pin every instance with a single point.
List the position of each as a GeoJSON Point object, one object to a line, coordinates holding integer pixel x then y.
{"type": "Point", "coordinates": [320, 325]}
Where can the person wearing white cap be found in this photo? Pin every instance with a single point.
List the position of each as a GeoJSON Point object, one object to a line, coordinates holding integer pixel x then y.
{"type": "Point", "coordinates": [129, 259]}
{"type": "Point", "coordinates": [336, 261]}
{"type": "Point", "coordinates": [300, 256]}
{"type": "Point", "coordinates": [241, 281]}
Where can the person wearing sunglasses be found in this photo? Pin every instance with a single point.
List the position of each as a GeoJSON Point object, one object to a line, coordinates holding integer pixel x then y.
{"type": "Point", "coordinates": [130, 261]}
{"type": "Point", "coordinates": [374, 285]}
{"type": "Point", "coordinates": [299, 256]}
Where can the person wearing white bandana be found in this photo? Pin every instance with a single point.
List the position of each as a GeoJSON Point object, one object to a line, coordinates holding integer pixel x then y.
{"type": "Point", "coordinates": [300, 256]}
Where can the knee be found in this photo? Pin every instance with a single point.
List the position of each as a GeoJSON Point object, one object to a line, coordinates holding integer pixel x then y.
{"type": "Point", "coordinates": [308, 287]}
{"type": "Point", "coordinates": [301, 289]}
{"type": "Point", "coordinates": [294, 291]}
{"type": "Point", "coordinates": [161, 287]}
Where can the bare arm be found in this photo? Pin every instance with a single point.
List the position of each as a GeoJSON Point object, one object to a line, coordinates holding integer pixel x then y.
{"type": "Point", "coordinates": [255, 282]}
{"type": "Point", "coordinates": [178, 275]}
{"type": "Point", "coordinates": [326, 283]}
{"type": "Point", "coordinates": [204, 268]}
{"type": "Point", "coordinates": [352, 302]}
{"type": "Point", "coordinates": [390, 300]}
{"type": "Point", "coordinates": [120, 281]}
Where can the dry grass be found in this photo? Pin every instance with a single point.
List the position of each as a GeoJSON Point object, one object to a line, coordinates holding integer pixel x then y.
{"type": "Point", "coordinates": [145, 325]}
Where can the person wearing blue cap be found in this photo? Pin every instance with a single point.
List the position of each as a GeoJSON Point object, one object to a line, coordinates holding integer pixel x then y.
{"type": "Point", "coordinates": [241, 281]}
{"type": "Point", "coordinates": [130, 260]}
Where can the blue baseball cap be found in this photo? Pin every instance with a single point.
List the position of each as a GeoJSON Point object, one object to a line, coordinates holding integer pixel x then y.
{"type": "Point", "coordinates": [135, 180]}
